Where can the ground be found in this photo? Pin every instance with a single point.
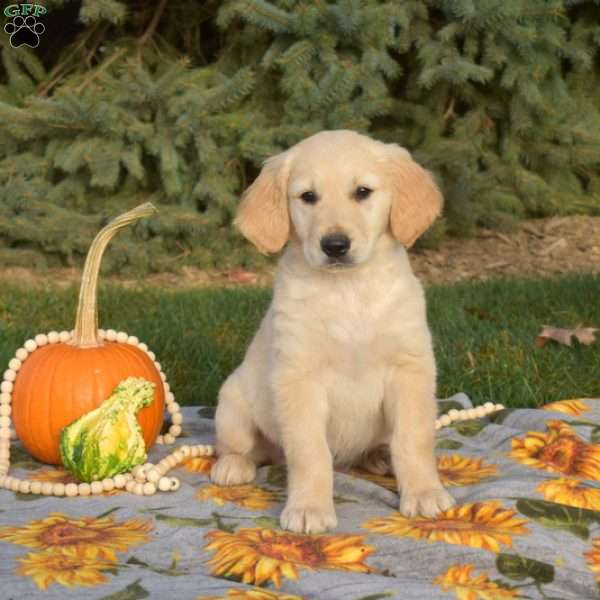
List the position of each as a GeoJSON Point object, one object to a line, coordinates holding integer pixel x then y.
{"type": "Point", "coordinates": [539, 247]}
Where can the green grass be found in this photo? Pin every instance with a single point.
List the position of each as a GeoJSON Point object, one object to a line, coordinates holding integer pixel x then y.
{"type": "Point", "coordinates": [483, 332]}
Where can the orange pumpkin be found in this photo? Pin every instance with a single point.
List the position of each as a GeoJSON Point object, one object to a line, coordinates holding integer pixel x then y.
{"type": "Point", "coordinates": [60, 382]}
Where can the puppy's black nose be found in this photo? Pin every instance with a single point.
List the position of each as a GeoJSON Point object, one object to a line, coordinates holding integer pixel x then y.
{"type": "Point", "coordinates": [335, 244]}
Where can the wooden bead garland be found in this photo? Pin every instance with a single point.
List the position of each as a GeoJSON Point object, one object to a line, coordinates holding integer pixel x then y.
{"type": "Point", "coordinates": [138, 484]}
{"type": "Point", "coordinates": [143, 480]}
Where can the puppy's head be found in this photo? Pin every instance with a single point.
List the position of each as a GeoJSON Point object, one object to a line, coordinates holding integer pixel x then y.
{"type": "Point", "coordinates": [337, 193]}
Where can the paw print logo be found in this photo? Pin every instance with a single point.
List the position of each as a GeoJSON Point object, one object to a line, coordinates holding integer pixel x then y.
{"type": "Point", "coordinates": [24, 31]}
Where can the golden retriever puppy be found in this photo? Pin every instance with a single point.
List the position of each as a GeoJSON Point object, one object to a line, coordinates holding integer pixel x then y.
{"type": "Point", "coordinates": [342, 363]}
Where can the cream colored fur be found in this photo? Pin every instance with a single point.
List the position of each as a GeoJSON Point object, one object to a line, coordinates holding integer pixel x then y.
{"type": "Point", "coordinates": [341, 370]}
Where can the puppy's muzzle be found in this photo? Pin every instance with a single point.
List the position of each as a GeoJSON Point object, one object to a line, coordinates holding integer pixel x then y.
{"type": "Point", "coordinates": [335, 245]}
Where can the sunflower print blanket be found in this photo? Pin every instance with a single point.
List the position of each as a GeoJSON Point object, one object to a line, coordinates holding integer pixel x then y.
{"type": "Point", "coordinates": [526, 525]}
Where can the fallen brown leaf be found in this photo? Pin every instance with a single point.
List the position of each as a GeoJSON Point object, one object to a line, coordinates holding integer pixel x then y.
{"type": "Point", "coordinates": [584, 335]}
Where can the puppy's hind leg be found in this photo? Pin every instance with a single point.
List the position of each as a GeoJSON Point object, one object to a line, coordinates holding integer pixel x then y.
{"type": "Point", "coordinates": [377, 460]}
{"type": "Point", "coordinates": [238, 442]}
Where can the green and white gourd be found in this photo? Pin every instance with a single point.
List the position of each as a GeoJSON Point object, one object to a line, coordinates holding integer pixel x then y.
{"type": "Point", "coordinates": [144, 479]}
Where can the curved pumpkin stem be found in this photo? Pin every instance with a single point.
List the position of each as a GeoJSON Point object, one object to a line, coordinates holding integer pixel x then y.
{"type": "Point", "coordinates": [86, 322]}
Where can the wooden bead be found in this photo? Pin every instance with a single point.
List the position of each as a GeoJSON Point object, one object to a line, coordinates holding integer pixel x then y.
{"type": "Point", "coordinates": [177, 419]}
{"type": "Point", "coordinates": [499, 406]}
{"type": "Point", "coordinates": [170, 398]}
{"type": "Point", "coordinates": [489, 406]}
{"type": "Point", "coordinates": [53, 337]}
{"type": "Point", "coordinates": [4, 421]}
{"type": "Point", "coordinates": [153, 475]}
{"type": "Point", "coordinates": [136, 470]}
{"type": "Point", "coordinates": [151, 355]}
{"type": "Point", "coordinates": [71, 490]}
{"type": "Point", "coordinates": [158, 366]}
{"type": "Point", "coordinates": [175, 483]}
{"type": "Point", "coordinates": [84, 489]}
{"type": "Point", "coordinates": [9, 375]}
{"type": "Point", "coordinates": [5, 398]}
{"type": "Point", "coordinates": [195, 451]}
{"type": "Point", "coordinates": [166, 386]}
{"type": "Point", "coordinates": [143, 347]}
{"type": "Point", "coordinates": [149, 489]}
{"type": "Point", "coordinates": [58, 489]}
{"type": "Point", "coordinates": [160, 439]}
{"type": "Point", "coordinates": [5, 410]}
{"type": "Point", "coordinates": [130, 485]}
{"type": "Point", "coordinates": [96, 487]}
{"type": "Point", "coordinates": [119, 481]}
{"type": "Point", "coordinates": [6, 387]}
{"type": "Point", "coordinates": [24, 486]}
{"type": "Point", "coordinates": [138, 489]}
{"type": "Point", "coordinates": [64, 336]}
{"type": "Point", "coordinates": [186, 451]}
{"type": "Point", "coordinates": [209, 450]}
{"type": "Point", "coordinates": [164, 484]}
{"type": "Point", "coordinates": [162, 467]}
{"type": "Point", "coordinates": [4, 452]}
{"type": "Point", "coordinates": [481, 412]}
{"type": "Point", "coordinates": [14, 485]}
{"type": "Point", "coordinates": [4, 468]}
{"type": "Point", "coordinates": [128, 477]}
{"type": "Point", "coordinates": [108, 484]}
{"type": "Point", "coordinates": [14, 364]}
{"type": "Point", "coordinates": [171, 461]}
{"type": "Point", "coordinates": [445, 420]}
{"type": "Point", "coordinates": [168, 438]}
{"type": "Point", "coordinates": [471, 413]}
{"type": "Point", "coordinates": [438, 425]}
{"type": "Point", "coordinates": [163, 377]}
{"type": "Point", "coordinates": [178, 456]}
{"type": "Point", "coordinates": [111, 335]}
{"type": "Point", "coordinates": [36, 487]}
{"type": "Point", "coordinates": [122, 337]}
{"type": "Point", "coordinates": [7, 482]}
{"type": "Point", "coordinates": [30, 346]}
{"type": "Point", "coordinates": [21, 354]}
{"type": "Point", "coordinates": [173, 408]}
{"type": "Point", "coordinates": [2, 480]}
{"type": "Point", "coordinates": [4, 433]}
{"type": "Point", "coordinates": [133, 340]}
{"type": "Point", "coordinates": [47, 487]}
{"type": "Point", "coordinates": [41, 339]}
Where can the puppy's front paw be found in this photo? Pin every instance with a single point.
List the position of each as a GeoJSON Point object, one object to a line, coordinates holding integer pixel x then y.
{"type": "Point", "coordinates": [307, 519]}
{"type": "Point", "coordinates": [428, 503]}
{"type": "Point", "coordinates": [233, 469]}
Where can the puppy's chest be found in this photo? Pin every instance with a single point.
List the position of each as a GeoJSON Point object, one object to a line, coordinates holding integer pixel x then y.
{"type": "Point", "coordinates": [354, 322]}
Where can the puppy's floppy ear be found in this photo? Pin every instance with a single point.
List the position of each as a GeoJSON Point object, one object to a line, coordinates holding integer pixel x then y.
{"type": "Point", "coordinates": [262, 216]}
{"type": "Point", "coordinates": [416, 202]}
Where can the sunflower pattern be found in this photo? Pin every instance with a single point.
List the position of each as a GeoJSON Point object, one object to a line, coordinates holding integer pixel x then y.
{"type": "Point", "coordinates": [251, 497]}
{"type": "Point", "coordinates": [458, 579]}
{"type": "Point", "coordinates": [259, 555]}
{"type": "Point", "coordinates": [559, 450]}
{"type": "Point", "coordinates": [526, 524]}
{"type": "Point", "coordinates": [486, 525]}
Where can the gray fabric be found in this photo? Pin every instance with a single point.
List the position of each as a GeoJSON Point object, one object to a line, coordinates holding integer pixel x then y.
{"type": "Point", "coordinates": [547, 561]}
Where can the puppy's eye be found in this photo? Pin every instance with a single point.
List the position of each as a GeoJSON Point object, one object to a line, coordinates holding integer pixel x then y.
{"type": "Point", "coordinates": [362, 193]}
{"type": "Point", "coordinates": [308, 197]}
